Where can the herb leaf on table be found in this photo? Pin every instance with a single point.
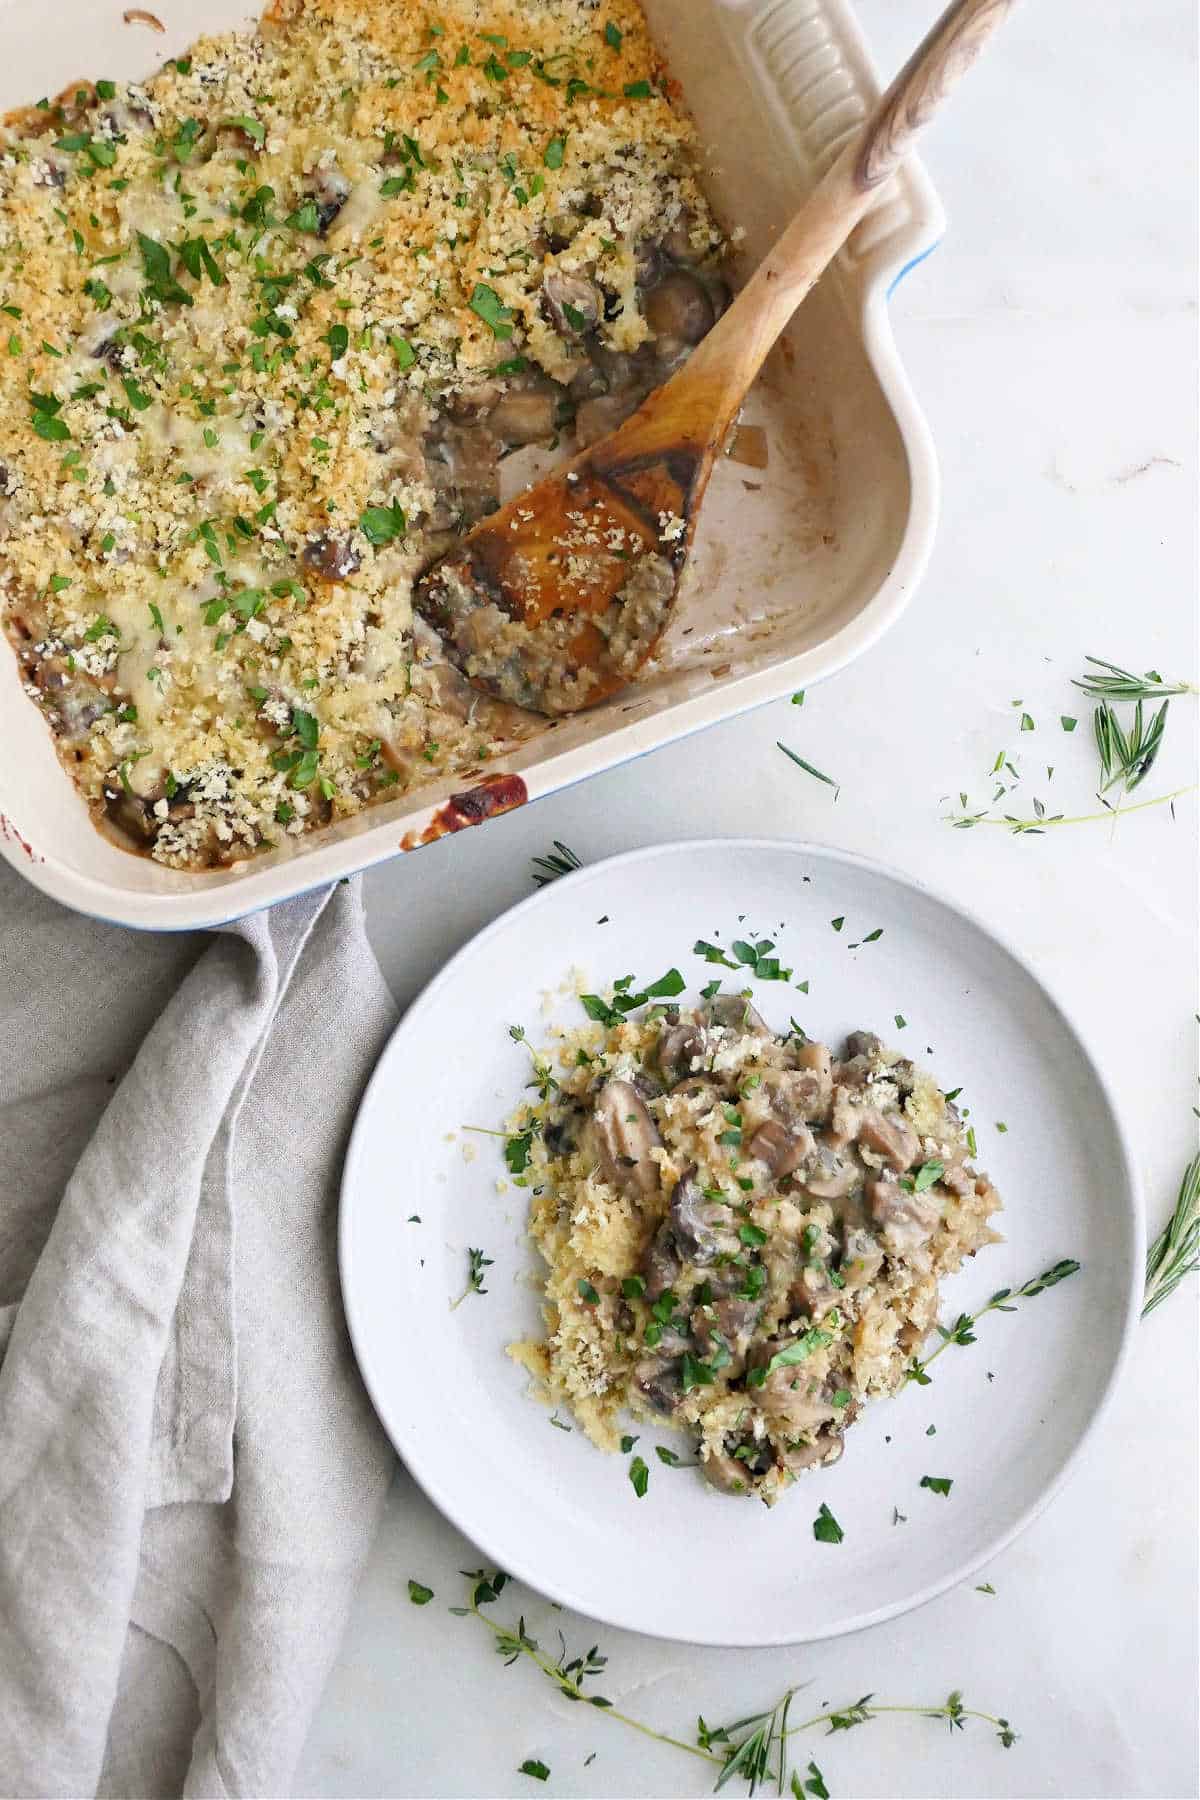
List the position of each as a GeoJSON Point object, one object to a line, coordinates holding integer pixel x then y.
{"type": "Point", "coordinates": [1175, 1252]}
{"type": "Point", "coordinates": [753, 1750]}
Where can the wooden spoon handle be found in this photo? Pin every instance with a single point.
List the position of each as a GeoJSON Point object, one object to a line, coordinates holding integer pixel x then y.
{"type": "Point", "coordinates": [731, 355]}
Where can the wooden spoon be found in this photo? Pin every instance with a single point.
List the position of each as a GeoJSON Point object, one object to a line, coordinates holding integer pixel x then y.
{"type": "Point", "coordinates": [556, 601]}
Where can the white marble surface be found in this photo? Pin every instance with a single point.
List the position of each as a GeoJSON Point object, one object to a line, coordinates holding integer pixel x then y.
{"type": "Point", "coordinates": [1052, 343]}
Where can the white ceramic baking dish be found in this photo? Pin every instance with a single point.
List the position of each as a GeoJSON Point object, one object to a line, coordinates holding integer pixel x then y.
{"type": "Point", "coordinates": [797, 567]}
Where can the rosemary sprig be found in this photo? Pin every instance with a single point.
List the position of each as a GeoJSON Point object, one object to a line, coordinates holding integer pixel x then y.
{"type": "Point", "coordinates": [1122, 684]}
{"type": "Point", "coordinates": [1127, 757]}
{"type": "Point", "coordinates": [808, 768]}
{"type": "Point", "coordinates": [962, 1331]}
{"type": "Point", "coordinates": [753, 1749]}
{"type": "Point", "coordinates": [561, 861]}
{"type": "Point", "coordinates": [477, 1262]}
{"type": "Point", "coordinates": [1175, 1252]}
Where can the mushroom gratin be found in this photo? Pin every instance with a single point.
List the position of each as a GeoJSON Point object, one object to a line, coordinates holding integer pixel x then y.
{"type": "Point", "coordinates": [272, 319]}
{"type": "Point", "coordinates": [744, 1231]}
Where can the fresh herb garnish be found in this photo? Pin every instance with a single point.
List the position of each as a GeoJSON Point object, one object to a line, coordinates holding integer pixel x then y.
{"type": "Point", "coordinates": [798, 1351]}
{"type": "Point", "coordinates": [516, 1152]}
{"type": "Point", "coordinates": [538, 1770]}
{"type": "Point", "coordinates": [808, 767]}
{"type": "Point", "coordinates": [754, 1749]}
{"type": "Point", "coordinates": [46, 422]}
{"type": "Point", "coordinates": [418, 1593]}
{"type": "Point", "coordinates": [477, 1263]}
{"type": "Point", "coordinates": [624, 1001]}
{"type": "Point", "coordinates": [639, 1476]}
{"type": "Point", "coordinates": [712, 953]}
{"type": "Point", "coordinates": [561, 861]}
{"type": "Point", "coordinates": [826, 1529]}
{"type": "Point", "coordinates": [1175, 1252]}
{"type": "Point", "coordinates": [381, 524]}
{"type": "Point", "coordinates": [587, 1292]}
{"type": "Point", "coordinates": [962, 1332]}
{"type": "Point", "coordinates": [1122, 684]}
{"type": "Point", "coordinates": [757, 958]}
{"type": "Point", "coordinates": [937, 1484]}
{"type": "Point", "coordinates": [486, 304]}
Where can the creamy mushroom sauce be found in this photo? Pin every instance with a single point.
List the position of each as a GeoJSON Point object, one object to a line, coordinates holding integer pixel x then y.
{"type": "Point", "coordinates": [271, 321]}
{"type": "Point", "coordinates": [744, 1232]}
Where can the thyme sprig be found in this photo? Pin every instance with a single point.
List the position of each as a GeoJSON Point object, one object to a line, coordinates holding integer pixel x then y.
{"type": "Point", "coordinates": [962, 1332]}
{"type": "Point", "coordinates": [1175, 1252]}
{"type": "Point", "coordinates": [1036, 826]}
{"type": "Point", "coordinates": [754, 1749]}
{"type": "Point", "coordinates": [1122, 684]}
{"type": "Point", "coordinates": [562, 860]}
{"type": "Point", "coordinates": [477, 1264]}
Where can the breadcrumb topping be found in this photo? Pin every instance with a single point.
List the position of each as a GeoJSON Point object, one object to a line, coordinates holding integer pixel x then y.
{"type": "Point", "coordinates": [257, 314]}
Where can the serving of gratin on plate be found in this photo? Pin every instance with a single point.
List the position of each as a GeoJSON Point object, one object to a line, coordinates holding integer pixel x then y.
{"type": "Point", "coordinates": [743, 1234]}
{"type": "Point", "coordinates": [277, 313]}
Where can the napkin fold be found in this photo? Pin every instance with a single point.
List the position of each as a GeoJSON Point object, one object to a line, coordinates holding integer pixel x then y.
{"type": "Point", "coordinates": [190, 1471]}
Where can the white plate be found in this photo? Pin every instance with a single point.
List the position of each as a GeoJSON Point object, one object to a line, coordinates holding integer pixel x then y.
{"type": "Point", "coordinates": [1011, 1411]}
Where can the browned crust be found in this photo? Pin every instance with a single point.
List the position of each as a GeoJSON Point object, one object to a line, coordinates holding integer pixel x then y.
{"type": "Point", "coordinates": [494, 794]}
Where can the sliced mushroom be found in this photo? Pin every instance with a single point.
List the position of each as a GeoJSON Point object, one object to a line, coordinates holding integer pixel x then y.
{"type": "Point", "coordinates": [793, 1095]}
{"type": "Point", "coordinates": [573, 303]}
{"type": "Point", "coordinates": [890, 1137]}
{"type": "Point", "coordinates": [679, 307]}
{"type": "Point", "coordinates": [598, 416]}
{"type": "Point", "coordinates": [729, 1323]}
{"type": "Point", "coordinates": [862, 1256]}
{"type": "Point", "coordinates": [331, 191]}
{"type": "Point", "coordinates": [906, 1220]}
{"type": "Point", "coordinates": [524, 416]}
{"type": "Point", "coordinates": [680, 1049]}
{"type": "Point", "coordinates": [700, 1087]}
{"type": "Point", "coordinates": [828, 1175]}
{"type": "Point", "coordinates": [739, 1465]}
{"type": "Point", "coordinates": [779, 1148]}
{"type": "Point", "coordinates": [678, 241]}
{"type": "Point", "coordinates": [812, 1293]}
{"type": "Point", "coordinates": [790, 1398]}
{"type": "Point", "coordinates": [825, 1448]}
{"type": "Point", "coordinates": [462, 465]}
{"type": "Point", "coordinates": [562, 1136]}
{"type": "Point", "coordinates": [625, 1136]}
{"type": "Point", "coordinates": [735, 1013]}
{"type": "Point", "coordinates": [958, 1179]}
{"type": "Point", "coordinates": [332, 558]}
{"type": "Point", "coordinates": [862, 1043]}
{"type": "Point", "coordinates": [660, 1262]}
{"type": "Point", "coordinates": [659, 1382]}
{"type": "Point", "coordinates": [702, 1228]}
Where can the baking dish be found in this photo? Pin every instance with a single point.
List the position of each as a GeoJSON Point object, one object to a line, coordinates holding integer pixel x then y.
{"type": "Point", "coordinates": [798, 566]}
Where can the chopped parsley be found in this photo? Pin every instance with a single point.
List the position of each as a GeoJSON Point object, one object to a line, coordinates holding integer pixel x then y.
{"type": "Point", "coordinates": [937, 1484]}
{"type": "Point", "coordinates": [826, 1529]}
{"type": "Point", "coordinates": [487, 305]}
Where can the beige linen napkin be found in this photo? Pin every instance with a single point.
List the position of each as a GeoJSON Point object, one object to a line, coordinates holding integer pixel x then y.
{"type": "Point", "coordinates": [190, 1472]}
